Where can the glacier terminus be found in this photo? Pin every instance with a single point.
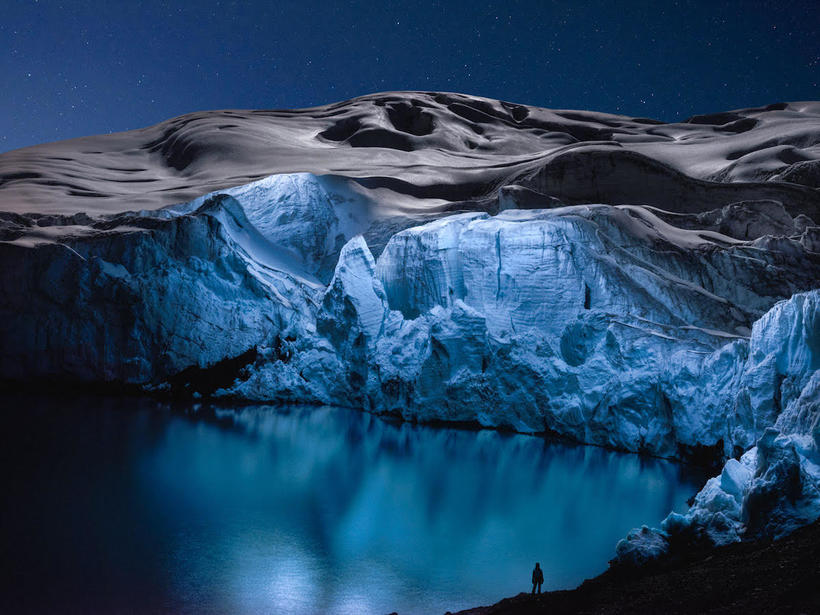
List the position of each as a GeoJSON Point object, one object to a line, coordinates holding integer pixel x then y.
{"type": "Point", "coordinates": [622, 282]}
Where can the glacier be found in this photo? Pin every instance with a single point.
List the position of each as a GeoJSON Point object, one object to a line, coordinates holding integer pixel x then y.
{"type": "Point", "coordinates": [658, 312]}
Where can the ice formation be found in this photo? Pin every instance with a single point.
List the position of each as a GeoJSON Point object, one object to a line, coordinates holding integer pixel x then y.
{"type": "Point", "coordinates": [621, 282]}
{"type": "Point", "coordinates": [774, 487]}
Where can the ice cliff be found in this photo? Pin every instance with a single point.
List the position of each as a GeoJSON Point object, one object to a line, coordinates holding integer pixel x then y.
{"type": "Point", "coordinates": [774, 487]}
{"type": "Point", "coordinates": [644, 286]}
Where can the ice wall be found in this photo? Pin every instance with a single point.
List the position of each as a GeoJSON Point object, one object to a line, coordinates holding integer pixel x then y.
{"type": "Point", "coordinates": [774, 487]}
{"type": "Point", "coordinates": [605, 324]}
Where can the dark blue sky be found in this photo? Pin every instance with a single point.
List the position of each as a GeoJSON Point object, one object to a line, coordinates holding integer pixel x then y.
{"type": "Point", "coordinates": [77, 68]}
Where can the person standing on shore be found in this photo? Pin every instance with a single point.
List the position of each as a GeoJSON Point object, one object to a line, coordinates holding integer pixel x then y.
{"type": "Point", "coordinates": [537, 577]}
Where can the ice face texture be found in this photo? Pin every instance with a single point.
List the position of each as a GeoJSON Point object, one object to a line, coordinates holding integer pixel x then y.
{"type": "Point", "coordinates": [774, 487]}
{"type": "Point", "coordinates": [644, 286]}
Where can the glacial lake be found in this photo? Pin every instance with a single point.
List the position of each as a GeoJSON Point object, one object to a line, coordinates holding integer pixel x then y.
{"type": "Point", "coordinates": [129, 505]}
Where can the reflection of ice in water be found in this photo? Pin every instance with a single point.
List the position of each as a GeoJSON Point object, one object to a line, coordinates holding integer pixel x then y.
{"type": "Point", "coordinates": [306, 510]}
{"type": "Point", "coordinates": [329, 510]}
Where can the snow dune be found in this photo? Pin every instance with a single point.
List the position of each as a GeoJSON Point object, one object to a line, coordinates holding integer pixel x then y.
{"type": "Point", "coordinates": [430, 145]}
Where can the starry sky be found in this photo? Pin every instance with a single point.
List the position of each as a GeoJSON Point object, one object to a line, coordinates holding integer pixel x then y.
{"type": "Point", "coordinates": [79, 67]}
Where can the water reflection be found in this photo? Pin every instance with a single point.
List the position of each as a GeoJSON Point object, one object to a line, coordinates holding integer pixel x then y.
{"type": "Point", "coordinates": [308, 510]}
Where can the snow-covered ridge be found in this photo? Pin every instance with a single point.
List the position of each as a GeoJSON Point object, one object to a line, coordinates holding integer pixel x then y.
{"type": "Point", "coordinates": [450, 258]}
{"type": "Point", "coordinates": [431, 145]}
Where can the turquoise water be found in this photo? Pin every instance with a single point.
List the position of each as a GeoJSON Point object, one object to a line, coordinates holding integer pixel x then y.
{"type": "Point", "coordinates": [123, 505]}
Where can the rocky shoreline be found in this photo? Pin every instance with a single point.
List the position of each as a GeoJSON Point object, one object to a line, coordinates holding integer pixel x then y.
{"type": "Point", "coordinates": [760, 576]}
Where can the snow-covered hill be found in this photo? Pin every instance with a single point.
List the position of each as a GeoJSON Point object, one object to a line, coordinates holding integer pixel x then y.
{"type": "Point", "coordinates": [432, 145]}
{"type": "Point", "coordinates": [620, 281]}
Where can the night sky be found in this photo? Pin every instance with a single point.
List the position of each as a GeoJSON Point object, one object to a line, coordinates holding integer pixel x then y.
{"type": "Point", "coordinates": [76, 68]}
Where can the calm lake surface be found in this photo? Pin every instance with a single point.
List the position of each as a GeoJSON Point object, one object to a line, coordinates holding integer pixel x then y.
{"type": "Point", "coordinates": [122, 505]}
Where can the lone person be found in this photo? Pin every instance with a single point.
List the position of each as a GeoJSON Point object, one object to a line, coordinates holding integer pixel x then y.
{"type": "Point", "coordinates": [537, 577]}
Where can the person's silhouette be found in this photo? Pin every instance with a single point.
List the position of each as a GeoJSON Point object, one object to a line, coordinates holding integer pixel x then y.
{"type": "Point", "coordinates": [537, 577]}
